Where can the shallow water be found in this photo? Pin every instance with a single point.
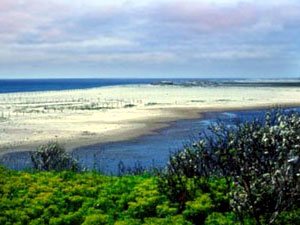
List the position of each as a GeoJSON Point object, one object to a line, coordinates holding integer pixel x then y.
{"type": "Point", "coordinates": [148, 150]}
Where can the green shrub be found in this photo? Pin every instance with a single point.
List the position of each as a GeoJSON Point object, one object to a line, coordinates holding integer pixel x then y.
{"type": "Point", "coordinates": [260, 161]}
{"type": "Point", "coordinates": [82, 198]}
{"type": "Point", "coordinates": [198, 209]}
{"type": "Point", "coordinates": [217, 218]}
{"type": "Point", "coordinates": [89, 198]}
{"type": "Point", "coordinates": [176, 220]}
{"type": "Point", "coordinates": [166, 209]}
{"type": "Point", "coordinates": [97, 219]}
{"type": "Point", "coordinates": [290, 217]}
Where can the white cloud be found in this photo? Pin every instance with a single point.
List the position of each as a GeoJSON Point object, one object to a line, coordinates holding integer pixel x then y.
{"type": "Point", "coordinates": [234, 55]}
{"type": "Point", "coordinates": [146, 31]}
{"type": "Point", "coordinates": [86, 44]}
{"type": "Point", "coordinates": [238, 52]}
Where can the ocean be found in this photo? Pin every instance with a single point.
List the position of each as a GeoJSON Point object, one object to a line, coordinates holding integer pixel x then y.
{"type": "Point", "coordinates": [29, 85]}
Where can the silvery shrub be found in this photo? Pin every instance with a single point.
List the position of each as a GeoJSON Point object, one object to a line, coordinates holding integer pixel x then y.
{"type": "Point", "coordinates": [53, 156]}
{"type": "Point", "coordinates": [259, 159]}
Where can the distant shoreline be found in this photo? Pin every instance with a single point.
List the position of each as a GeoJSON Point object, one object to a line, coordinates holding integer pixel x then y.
{"type": "Point", "coordinates": [68, 84]}
{"type": "Point", "coordinates": [107, 114]}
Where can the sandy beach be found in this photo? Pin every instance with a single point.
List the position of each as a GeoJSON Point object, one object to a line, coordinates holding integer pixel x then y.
{"type": "Point", "coordinates": [84, 117]}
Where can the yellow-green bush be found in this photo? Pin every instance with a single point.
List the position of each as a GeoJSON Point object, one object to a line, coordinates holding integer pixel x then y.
{"type": "Point", "coordinates": [89, 198]}
{"type": "Point", "coordinates": [74, 198]}
{"type": "Point", "coordinates": [56, 198]}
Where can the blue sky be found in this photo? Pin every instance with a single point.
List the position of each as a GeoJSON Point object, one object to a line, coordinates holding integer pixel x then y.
{"type": "Point", "coordinates": [149, 38]}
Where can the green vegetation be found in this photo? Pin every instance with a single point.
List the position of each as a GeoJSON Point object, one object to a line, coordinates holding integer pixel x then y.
{"type": "Point", "coordinates": [259, 160]}
{"type": "Point", "coordinates": [90, 198]}
{"type": "Point", "coordinates": [243, 174]}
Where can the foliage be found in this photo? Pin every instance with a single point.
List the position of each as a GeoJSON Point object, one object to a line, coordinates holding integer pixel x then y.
{"type": "Point", "coordinates": [184, 175]}
{"type": "Point", "coordinates": [196, 197]}
{"type": "Point", "coordinates": [90, 198]}
{"type": "Point", "coordinates": [53, 156]}
{"type": "Point", "coordinates": [217, 218]}
{"type": "Point", "coordinates": [289, 217]}
{"type": "Point", "coordinates": [259, 161]}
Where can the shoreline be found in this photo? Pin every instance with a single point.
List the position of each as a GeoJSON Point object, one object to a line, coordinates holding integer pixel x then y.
{"type": "Point", "coordinates": [83, 117]}
{"type": "Point", "coordinates": [152, 126]}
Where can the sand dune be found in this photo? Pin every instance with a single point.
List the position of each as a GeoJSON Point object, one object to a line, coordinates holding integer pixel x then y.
{"type": "Point", "coordinates": [81, 117]}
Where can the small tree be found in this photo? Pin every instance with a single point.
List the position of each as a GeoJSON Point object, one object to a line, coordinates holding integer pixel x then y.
{"type": "Point", "coordinates": [259, 159]}
{"type": "Point", "coordinates": [53, 156]}
{"type": "Point", "coordinates": [262, 157]}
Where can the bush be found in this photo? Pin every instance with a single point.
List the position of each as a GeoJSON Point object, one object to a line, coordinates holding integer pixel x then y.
{"type": "Point", "coordinates": [259, 160]}
{"type": "Point", "coordinates": [82, 198]}
{"type": "Point", "coordinates": [53, 156]}
{"type": "Point", "coordinates": [180, 180]}
{"type": "Point", "coordinates": [198, 209]}
{"type": "Point", "coordinates": [217, 218]}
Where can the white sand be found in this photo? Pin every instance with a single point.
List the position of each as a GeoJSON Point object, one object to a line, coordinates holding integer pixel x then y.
{"type": "Point", "coordinates": [81, 117]}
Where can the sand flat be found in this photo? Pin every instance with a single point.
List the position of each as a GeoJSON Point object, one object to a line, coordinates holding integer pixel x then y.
{"type": "Point", "coordinates": [82, 117]}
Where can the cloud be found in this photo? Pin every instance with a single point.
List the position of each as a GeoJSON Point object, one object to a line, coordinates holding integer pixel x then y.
{"type": "Point", "coordinates": [14, 57]}
{"type": "Point", "coordinates": [203, 17]}
{"type": "Point", "coordinates": [164, 32]}
{"type": "Point", "coordinates": [236, 54]}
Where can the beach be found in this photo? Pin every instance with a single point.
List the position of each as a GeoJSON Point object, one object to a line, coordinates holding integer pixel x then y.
{"type": "Point", "coordinates": [83, 117]}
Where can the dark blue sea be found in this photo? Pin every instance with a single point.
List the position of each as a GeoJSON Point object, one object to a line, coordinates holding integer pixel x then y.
{"type": "Point", "coordinates": [28, 85]}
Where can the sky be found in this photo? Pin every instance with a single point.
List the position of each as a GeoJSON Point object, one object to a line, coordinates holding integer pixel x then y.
{"type": "Point", "coordinates": [149, 38]}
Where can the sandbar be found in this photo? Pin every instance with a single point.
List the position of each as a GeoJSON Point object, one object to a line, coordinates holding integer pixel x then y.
{"type": "Point", "coordinates": [84, 117]}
